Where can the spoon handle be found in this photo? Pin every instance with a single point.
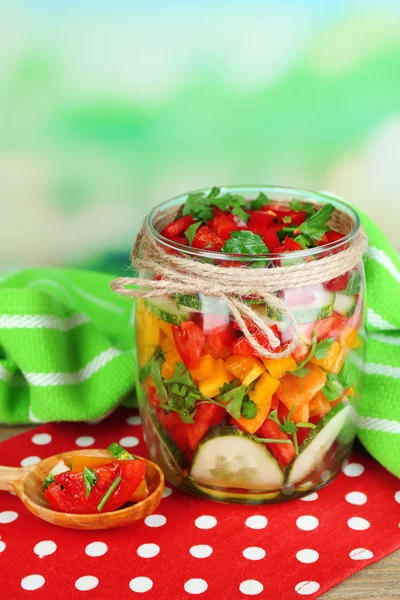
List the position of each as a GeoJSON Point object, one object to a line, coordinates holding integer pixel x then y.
{"type": "Point", "coordinates": [8, 475]}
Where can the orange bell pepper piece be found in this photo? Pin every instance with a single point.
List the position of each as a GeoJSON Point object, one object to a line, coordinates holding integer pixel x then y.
{"type": "Point", "coordinates": [245, 368]}
{"type": "Point", "coordinates": [210, 386]}
{"type": "Point", "coordinates": [80, 462]}
{"type": "Point", "coordinates": [300, 390]}
{"type": "Point", "coordinates": [319, 405]}
{"type": "Point", "coordinates": [301, 413]}
{"type": "Point", "coordinates": [277, 367]}
{"type": "Point", "coordinates": [165, 327]}
{"type": "Point", "coordinates": [333, 361]}
{"type": "Point", "coordinates": [206, 368]}
{"type": "Point", "coordinates": [350, 338]}
{"type": "Point", "coordinates": [262, 394]}
{"type": "Point", "coordinates": [141, 493]}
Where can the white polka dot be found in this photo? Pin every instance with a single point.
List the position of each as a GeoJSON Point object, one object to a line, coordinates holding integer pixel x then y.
{"type": "Point", "coordinates": [32, 582]}
{"type": "Point", "coordinates": [397, 496]}
{"type": "Point", "coordinates": [140, 584]}
{"type": "Point", "coordinates": [148, 550]}
{"type": "Point", "coordinates": [96, 549]}
{"type": "Point", "coordinates": [307, 522]}
{"type": "Point", "coordinates": [129, 441]}
{"type": "Point", "coordinates": [257, 522]}
{"type": "Point", "coordinates": [251, 587]}
{"type": "Point", "coordinates": [195, 586]}
{"type": "Point", "coordinates": [310, 497]}
{"type": "Point", "coordinates": [254, 553]}
{"type": "Point", "coordinates": [8, 516]}
{"type": "Point", "coordinates": [205, 522]}
{"type": "Point", "coordinates": [133, 420]}
{"type": "Point", "coordinates": [307, 556]}
{"type": "Point", "coordinates": [167, 492]}
{"type": "Point", "coordinates": [356, 498]}
{"type": "Point", "coordinates": [305, 588]}
{"type": "Point", "coordinates": [45, 548]}
{"type": "Point", "coordinates": [2, 546]}
{"type": "Point", "coordinates": [361, 554]}
{"type": "Point", "coordinates": [30, 460]}
{"type": "Point", "coordinates": [201, 551]}
{"type": "Point", "coordinates": [155, 520]}
{"type": "Point", "coordinates": [358, 523]}
{"type": "Point", "coordinates": [353, 469]}
{"type": "Point", "coordinates": [83, 441]}
{"type": "Point", "coordinates": [86, 583]}
{"type": "Point", "coordinates": [41, 439]}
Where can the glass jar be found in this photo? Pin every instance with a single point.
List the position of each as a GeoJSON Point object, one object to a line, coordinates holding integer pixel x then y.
{"type": "Point", "coordinates": [303, 430]}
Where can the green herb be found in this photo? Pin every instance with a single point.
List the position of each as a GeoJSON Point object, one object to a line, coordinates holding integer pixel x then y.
{"type": "Point", "coordinates": [354, 283]}
{"type": "Point", "coordinates": [302, 207]}
{"type": "Point", "coordinates": [305, 241]}
{"type": "Point", "coordinates": [198, 206]}
{"type": "Point", "coordinates": [48, 481]}
{"type": "Point", "coordinates": [154, 370]}
{"type": "Point", "coordinates": [191, 231]}
{"type": "Point", "coordinates": [271, 441]}
{"type": "Point", "coordinates": [259, 202]}
{"type": "Point", "coordinates": [322, 348]}
{"type": "Point", "coordinates": [333, 389]}
{"type": "Point", "coordinates": [300, 372]}
{"type": "Point", "coordinates": [89, 478]}
{"type": "Point", "coordinates": [286, 219]}
{"type": "Point", "coordinates": [315, 225]}
{"type": "Point", "coordinates": [235, 203]}
{"type": "Point", "coordinates": [108, 493]}
{"type": "Point", "coordinates": [245, 242]}
{"type": "Point", "coordinates": [249, 409]}
{"type": "Point", "coordinates": [290, 427]}
{"type": "Point", "coordinates": [181, 393]}
{"type": "Point", "coordinates": [349, 373]}
{"type": "Point", "coordinates": [119, 452]}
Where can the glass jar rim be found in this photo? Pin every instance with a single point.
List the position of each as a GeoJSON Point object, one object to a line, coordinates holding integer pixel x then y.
{"type": "Point", "coordinates": [298, 193]}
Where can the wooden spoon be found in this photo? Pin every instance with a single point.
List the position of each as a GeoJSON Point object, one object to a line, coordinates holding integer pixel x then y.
{"type": "Point", "coordinates": [27, 484]}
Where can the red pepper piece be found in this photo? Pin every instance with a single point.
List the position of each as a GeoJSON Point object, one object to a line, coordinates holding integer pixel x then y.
{"type": "Point", "coordinates": [297, 217]}
{"type": "Point", "coordinates": [188, 435]}
{"type": "Point", "coordinates": [223, 224]}
{"type": "Point", "coordinates": [242, 346]}
{"type": "Point", "coordinates": [331, 236]}
{"type": "Point", "coordinates": [205, 238]}
{"type": "Point", "coordinates": [284, 453]}
{"type": "Point", "coordinates": [332, 326]}
{"type": "Point", "coordinates": [189, 340]}
{"type": "Point", "coordinates": [279, 209]}
{"type": "Point", "coordinates": [338, 284]}
{"type": "Point", "coordinates": [177, 227]}
{"type": "Point", "coordinates": [260, 221]}
{"type": "Point", "coordinates": [289, 245]}
{"type": "Point", "coordinates": [68, 493]}
{"type": "Point", "coordinates": [271, 239]}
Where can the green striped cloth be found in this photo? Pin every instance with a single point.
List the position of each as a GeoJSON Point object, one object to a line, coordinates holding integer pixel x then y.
{"type": "Point", "coordinates": [66, 348]}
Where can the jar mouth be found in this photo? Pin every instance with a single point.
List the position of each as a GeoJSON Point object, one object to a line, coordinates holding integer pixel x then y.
{"type": "Point", "coordinates": [279, 194]}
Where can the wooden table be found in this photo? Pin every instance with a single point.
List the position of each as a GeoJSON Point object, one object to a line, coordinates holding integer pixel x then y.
{"type": "Point", "coordinates": [380, 581]}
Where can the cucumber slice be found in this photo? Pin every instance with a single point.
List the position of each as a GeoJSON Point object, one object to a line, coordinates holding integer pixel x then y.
{"type": "Point", "coordinates": [236, 497]}
{"type": "Point", "coordinates": [317, 444]}
{"type": "Point", "coordinates": [166, 310]}
{"type": "Point", "coordinates": [193, 302]}
{"type": "Point", "coordinates": [320, 308]}
{"type": "Point", "coordinates": [201, 303]}
{"type": "Point", "coordinates": [271, 316]}
{"type": "Point", "coordinates": [227, 457]}
{"type": "Point", "coordinates": [345, 305]}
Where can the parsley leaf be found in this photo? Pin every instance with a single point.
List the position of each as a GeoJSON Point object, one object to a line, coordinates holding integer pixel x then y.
{"type": "Point", "coordinates": [245, 242]}
{"type": "Point", "coordinates": [236, 400]}
{"type": "Point", "coordinates": [259, 202]}
{"type": "Point", "coordinates": [182, 393]}
{"type": "Point", "coordinates": [235, 202]}
{"type": "Point", "coordinates": [333, 388]}
{"type": "Point", "coordinates": [323, 348]}
{"type": "Point", "coordinates": [249, 409]}
{"type": "Point", "coordinates": [305, 241]}
{"type": "Point", "coordinates": [301, 372]}
{"type": "Point", "coordinates": [198, 206]}
{"type": "Point", "coordinates": [303, 207]}
{"type": "Point", "coordinates": [49, 480]}
{"type": "Point", "coordinates": [191, 231]}
{"type": "Point", "coordinates": [354, 283]}
{"type": "Point", "coordinates": [154, 370]}
{"type": "Point", "coordinates": [89, 478]}
{"type": "Point", "coordinates": [349, 373]}
{"type": "Point", "coordinates": [315, 226]}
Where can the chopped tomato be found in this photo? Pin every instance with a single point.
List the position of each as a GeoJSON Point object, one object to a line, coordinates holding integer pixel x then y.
{"type": "Point", "coordinates": [178, 227]}
{"type": "Point", "coordinates": [271, 239]}
{"type": "Point", "coordinates": [338, 284]}
{"type": "Point", "coordinates": [260, 221]}
{"type": "Point", "coordinates": [331, 236]}
{"type": "Point", "coordinates": [188, 435]}
{"type": "Point", "coordinates": [332, 326]}
{"type": "Point", "coordinates": [207, 239]}
{"type": "Point", "coordinates": [189, 340]}
{"type": "Point", "coordinates": [68, 492]}
{"type": "Point", "coordinates": [221, 338]}
{"type": "Point", "coordinates": [242, 346]}
{"type": "Point", "coordinates": [289, 245]}
{"type": "Point", "coordinates": [297, 217]}
{"type": "Point", "coordinates": [284, 453]}
{"type": "Point", "coordinates": [223, 224]}
{"type": "Point", "coordinates": [279, 209]}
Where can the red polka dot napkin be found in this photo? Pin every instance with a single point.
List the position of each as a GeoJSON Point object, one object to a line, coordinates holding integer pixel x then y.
{"type": "Point", "coordinates": [194, 547]}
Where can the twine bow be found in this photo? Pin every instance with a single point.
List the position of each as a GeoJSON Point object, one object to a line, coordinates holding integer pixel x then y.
{"type": "Point", "coordinates": [183, 274]}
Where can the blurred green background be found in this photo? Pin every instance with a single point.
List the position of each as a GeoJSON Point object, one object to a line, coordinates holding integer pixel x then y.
{"type": "Point", "coordinates": [109, 108]}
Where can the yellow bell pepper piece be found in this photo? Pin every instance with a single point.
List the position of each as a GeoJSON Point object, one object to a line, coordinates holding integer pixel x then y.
{"type": "Point", "coordinates": [206, 368]}
{"type": "Point", "coordinates": [333, 361]}
{"type": "Point", "coordinates": [245, 368]}
{"type": "Point", "coordinates": [141, 492]}
{"type": "Point", "coordinates": [350, 338]}
{"type": "Point", "coordinates": [165, 327]}
{"type": "Point", "coordinates": [262, 394]}
{"type": "Point", "coordinates": [168, 345]}
{"type": "Point", "coordinates": [277, 367]}
{"type": "Point", "coordinates": [147, 332]}
{"type": "Point", "coordinates": [211, 385]}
